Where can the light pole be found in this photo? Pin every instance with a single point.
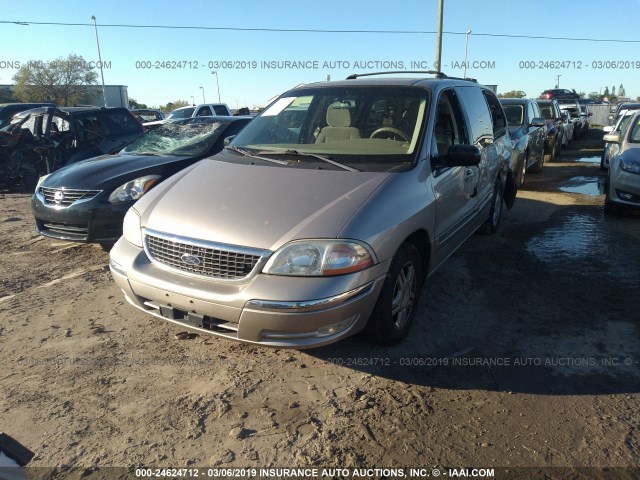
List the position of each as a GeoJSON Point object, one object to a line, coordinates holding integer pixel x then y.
{"type": "Point", "coordinates": [193, 102]}
{"type": "Point", "coordinates": [439, 37]}
{"type": "Point", "coordinates": [466, 46]}
{"type": "Point", "coordinates": [218, 84]}
{"type": "Point", "coordinates": [95, 26]}
{"type": "Point", "coordinates": [558, 81]}
{"type": "Point", "coordinates": [203, 100]}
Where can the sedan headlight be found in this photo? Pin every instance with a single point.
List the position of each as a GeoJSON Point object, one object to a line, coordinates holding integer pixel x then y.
{"type": "Point", "coordinates": [631, 165]}
{"type": "Point", "coordinates": [131, 229]}
{"type": "Point", "coordinates": [41, 180]}
{"type": "Point", "coordinates": [317, 258]}
{"type": "Point", "coordinates": [133, 190]}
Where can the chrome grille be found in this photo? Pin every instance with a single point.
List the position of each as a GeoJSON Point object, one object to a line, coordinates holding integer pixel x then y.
{"type": "Point", "coordinates": [221, 262]}
{"type": "Point", "coordinates": [69, 195]}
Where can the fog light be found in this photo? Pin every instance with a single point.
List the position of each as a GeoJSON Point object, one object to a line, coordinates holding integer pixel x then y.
{"type": "Point", "coordinates": [116, 267]}
{"type": "Point", "coordinates": [335, 328]}
{"type": "Point", "coordinates": [629, 197]}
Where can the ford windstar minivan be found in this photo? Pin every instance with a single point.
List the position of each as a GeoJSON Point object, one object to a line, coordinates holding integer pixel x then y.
{"type": "Point", "coordinates": [325, 215]}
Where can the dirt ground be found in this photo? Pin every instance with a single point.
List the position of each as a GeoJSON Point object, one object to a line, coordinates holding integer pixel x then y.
{"type": "Point", "coordinates": [525, 353]}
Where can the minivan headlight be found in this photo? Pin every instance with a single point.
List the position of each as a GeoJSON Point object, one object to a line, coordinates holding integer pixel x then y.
{"type": "Point", "coordinates": [133, 190]}
{"type": "Point", "coordinates": [131, 229]}
{"type": "Point", "coordinates": [317, 258]}
{"type": "Point", "coordinates": [630, 165]}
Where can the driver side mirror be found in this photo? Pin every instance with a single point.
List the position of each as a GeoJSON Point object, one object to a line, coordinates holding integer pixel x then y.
{"type": "Point", "coordinates": [612, 137]}
{"type": "Point", "coordinates": [537, 122]}
{"type": "Point", "coordinates": [461, 156]}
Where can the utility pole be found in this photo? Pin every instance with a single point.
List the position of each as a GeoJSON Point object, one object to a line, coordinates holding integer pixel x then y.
{"type": "Point", "coordinates": [466, 45]}
{"type": "Point", "coordinates": [438, 64]}
{"type": "Point", "coordinates": [558, 81]}
{"type": "Point", "coordinates": [104, 95]}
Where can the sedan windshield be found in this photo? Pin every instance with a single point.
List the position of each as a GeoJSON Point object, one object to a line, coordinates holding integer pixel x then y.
{"type": "Point", "coordinates": [368, 127]}
{"type": "Point", "coordinates": [190, 137]}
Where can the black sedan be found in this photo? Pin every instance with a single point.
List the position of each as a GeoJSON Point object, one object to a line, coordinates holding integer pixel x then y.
{"type": "Point", "coordinates": [86, 201]}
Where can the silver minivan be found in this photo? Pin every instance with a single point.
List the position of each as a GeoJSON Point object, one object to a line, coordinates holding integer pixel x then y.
{"type": "Point", "coordinates": [325, 215]}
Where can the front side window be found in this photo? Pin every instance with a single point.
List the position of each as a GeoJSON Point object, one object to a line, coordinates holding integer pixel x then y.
{"type": "Point", "coordinates": [634, 136]}
{"type": "Point", "coordinates": [546, 111]}
{"type": "Point", "coordinates": [368, 127]}
{"type": "Point", "coordinates": [497, 115]}
{"type": "Point", "coordinates": [449, 126]}
{"type": "Point", "coordinates": [514, 113]}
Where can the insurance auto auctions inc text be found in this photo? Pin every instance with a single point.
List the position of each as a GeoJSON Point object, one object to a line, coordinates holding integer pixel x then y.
{"type": "Point", "coordinates": [332, 473]}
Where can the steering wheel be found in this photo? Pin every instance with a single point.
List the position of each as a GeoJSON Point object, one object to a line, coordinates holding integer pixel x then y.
{"type": "Point", "coordinates": [392, 130]}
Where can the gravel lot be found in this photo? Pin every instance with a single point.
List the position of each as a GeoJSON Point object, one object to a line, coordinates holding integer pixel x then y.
{"type": "Point", "coordinates": [525, 353]}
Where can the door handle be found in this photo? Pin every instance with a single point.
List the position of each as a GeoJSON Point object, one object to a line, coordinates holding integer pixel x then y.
{"type": "Point", "coordinates": [468, 173]}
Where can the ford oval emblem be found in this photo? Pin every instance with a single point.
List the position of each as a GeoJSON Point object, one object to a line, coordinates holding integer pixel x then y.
{"type": "Point", "coordinates": [191, 259]}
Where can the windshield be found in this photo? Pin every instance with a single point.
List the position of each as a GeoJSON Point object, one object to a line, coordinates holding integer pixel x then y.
{"type": "Point", "coordinates": [369, 126]}
{"type": "Point", "coordinates": [514, 113]}
{"type": "Point", "coordinates": [181, 113]}
{"type": "Point", "coordinates": [191, 137]}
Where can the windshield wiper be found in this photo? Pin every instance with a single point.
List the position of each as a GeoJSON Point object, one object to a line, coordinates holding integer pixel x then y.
{"type": "Point", "coordinates": [314, 155]}
{"type": "Point", "coordinates": [251, 155]}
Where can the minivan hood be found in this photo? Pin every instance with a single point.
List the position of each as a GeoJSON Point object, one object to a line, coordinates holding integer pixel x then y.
{"type": "Point", "coordinates": [256, 206]}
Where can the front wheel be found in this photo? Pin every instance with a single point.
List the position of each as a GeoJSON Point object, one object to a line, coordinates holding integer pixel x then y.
{"type": "Point", "coordinates": [396, 306]}
{"type": "Point", "coordinates": [495, 213]}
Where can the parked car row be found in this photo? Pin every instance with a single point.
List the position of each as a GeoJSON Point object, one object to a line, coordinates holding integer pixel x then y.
{"type": "Point", "coordinates": [324, 216]}
{"type": "Point", "coordinates": [317, 219]}
{"type": "Point", "coordinates": [622, 186]}
{"type": "Point", "coordinates": [625, 113]}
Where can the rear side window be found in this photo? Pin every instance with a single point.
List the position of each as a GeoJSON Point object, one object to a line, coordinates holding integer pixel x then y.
{"type": "Point", "coordinates": [477, 113]}
{"type": "Point", "coordinates": [220, 110]}
{"type": "Point", "coordinates": [120, 123]}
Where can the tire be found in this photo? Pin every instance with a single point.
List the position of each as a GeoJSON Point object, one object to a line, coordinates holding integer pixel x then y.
{"type": "Point", "coordinates": [523, 171]}
{"type": "Point", "coordinates": [398, 300]}
{"type": "Point", "coordinates": [610, 208]}
{"type": "Point", "coordinates": [539, 165]}
{"type": "Point", "coordinates": [602, 167]}
{"type": "Point", "coordinates": [495, 213]}
{"type": "Point", "coordinates": [558, 145]}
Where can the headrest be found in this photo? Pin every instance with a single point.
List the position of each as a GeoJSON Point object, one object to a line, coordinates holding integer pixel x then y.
{"type": "Point", "coordinates": [338, 115]}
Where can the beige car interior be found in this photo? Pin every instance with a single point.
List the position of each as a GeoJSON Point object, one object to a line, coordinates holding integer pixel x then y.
{"type": "Point", "coordinates": [338, 125]}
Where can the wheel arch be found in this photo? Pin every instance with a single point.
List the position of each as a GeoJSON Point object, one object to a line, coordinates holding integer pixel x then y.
{"type": "Point", "coordinates": [420, 240]}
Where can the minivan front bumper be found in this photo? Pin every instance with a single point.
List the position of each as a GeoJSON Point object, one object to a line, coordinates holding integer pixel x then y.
{"type": "Point", "coordinates": [276, 311]}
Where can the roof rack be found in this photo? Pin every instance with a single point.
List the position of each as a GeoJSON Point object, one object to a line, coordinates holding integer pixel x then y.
{"type": "Point", "coordinates": [437, 74]}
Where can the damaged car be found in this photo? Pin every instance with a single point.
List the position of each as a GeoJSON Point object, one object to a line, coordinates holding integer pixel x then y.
{"type": "Point", "coordinates": [86, 201]}
{"type": "Point", "coordinates": [42, 140]}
